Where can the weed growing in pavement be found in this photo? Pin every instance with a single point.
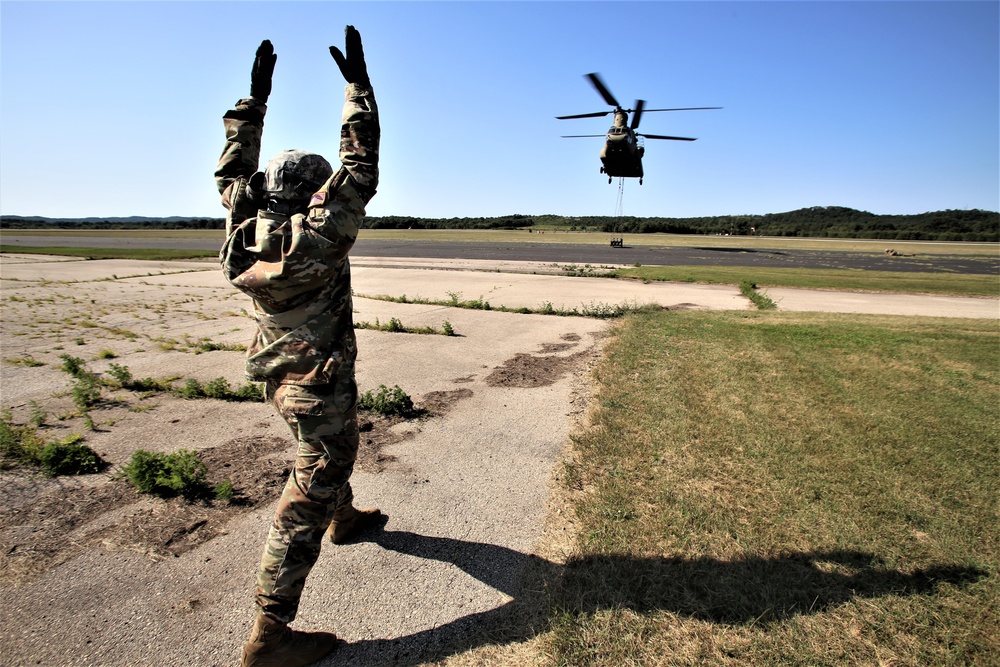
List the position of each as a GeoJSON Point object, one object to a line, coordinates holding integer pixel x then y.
{"type": "Point", "coordinates": [37, 415]}
{"type": "Point", "coordinates": [762, 302]}
{"type": "Point", "coordinates": [595, 310]}
{"type": "Point", "coordinates": [180, 473]}
{"type": "Point", "coordinates": [69, 458]}
{"type": "Point", "coordinates": [22, 445]}
{"type": "Point", "coordinates": [225, 492]}
{"type": "Point", "coordinates": [588, 271]}
{"type": "Point", "coordinates": [75, 366]}
{"type": "Point", "coordinates": [220, 389]}
{"type": "Point", "coordinates": [385, 401]}
{"type": "Point", "coordinates": [396, 326]}
{"type": "Point", "coordinates": [27, 361]}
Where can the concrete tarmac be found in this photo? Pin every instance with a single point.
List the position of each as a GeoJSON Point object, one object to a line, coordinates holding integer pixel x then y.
{"type": "Point", "coordinates": [466, 491]}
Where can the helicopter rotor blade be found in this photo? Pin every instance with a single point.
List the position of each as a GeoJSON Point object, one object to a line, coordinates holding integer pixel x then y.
{"type": "Point", "coordinates": [663, 136]}
{"type": "Point", "coordinates": [596, 114]}
{"type": "Point", "coordinates": [685, 109]}
{"type": "Point", "coordinates": [595, 81]}
{"type": "Point", "coordinates": [580, 136]}
{"type": "Point", "coordinates": [638, 113]}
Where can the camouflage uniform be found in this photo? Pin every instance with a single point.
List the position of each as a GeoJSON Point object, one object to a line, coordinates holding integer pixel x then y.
{"type": "Point", "coordinates": [295, 268]}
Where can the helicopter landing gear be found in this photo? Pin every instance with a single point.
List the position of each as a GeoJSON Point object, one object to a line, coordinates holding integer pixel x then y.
{"type": "Point", "coordinates": [640, 180]}
{"type": "Point", "coordinates": [602, 170]}
{"type": "Point", "coordinates": [609, 180]}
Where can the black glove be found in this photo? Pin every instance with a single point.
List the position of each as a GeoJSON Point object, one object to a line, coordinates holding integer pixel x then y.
{"type": "Point", "coordinates": [353, 66]}
{"type": "Point", "coordinates": [263, 68]}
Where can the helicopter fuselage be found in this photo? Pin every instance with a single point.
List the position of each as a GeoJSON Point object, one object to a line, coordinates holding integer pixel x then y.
{"type": "Point", "coordinates": [622, 152]}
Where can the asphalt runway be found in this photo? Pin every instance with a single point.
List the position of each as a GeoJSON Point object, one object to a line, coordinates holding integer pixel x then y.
{"type": "Point", "coordinates": [569, 253]}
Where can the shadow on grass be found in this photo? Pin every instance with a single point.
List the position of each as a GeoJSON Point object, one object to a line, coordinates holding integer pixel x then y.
{"type": "Point", "coordinates": [750, 592]}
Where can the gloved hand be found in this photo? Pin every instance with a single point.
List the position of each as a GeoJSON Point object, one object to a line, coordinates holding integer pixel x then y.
{"type": "Point", "coordinates": [353, 66]}
{"type": "Point", "coordinates": [263, 68]}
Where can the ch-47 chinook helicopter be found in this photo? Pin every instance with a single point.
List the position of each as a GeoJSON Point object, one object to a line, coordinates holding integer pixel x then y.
{"type": "Point", "coordinates": [623, 147]}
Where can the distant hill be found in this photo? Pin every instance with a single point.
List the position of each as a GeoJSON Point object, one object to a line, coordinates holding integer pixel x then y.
{"type": "Point", "coordinates": [817, 221]}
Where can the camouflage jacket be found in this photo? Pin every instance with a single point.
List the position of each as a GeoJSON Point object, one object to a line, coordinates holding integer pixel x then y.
{"type": "Point", "coordinates": [295, 267]}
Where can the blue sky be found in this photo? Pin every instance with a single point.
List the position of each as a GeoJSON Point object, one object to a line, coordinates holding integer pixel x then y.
{"type": "Point", "coordinates": [114, 109]}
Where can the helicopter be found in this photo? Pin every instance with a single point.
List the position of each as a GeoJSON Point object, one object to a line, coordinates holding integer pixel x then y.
{"type": "Point", "coordinates": [623, 146]}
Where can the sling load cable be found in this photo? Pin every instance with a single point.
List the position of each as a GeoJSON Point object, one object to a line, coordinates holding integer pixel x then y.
{"type": "Point", "coordinates": [618, 204]}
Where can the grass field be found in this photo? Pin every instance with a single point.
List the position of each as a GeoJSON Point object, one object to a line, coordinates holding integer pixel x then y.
{"type": "Point", "coordinates": [591, 238]}
{"type": "Point", "coordinates": [786, 489]}
{"type": "Point", "coordinates": [839, 279]}
{"type": "Point", "coordinates": [150, 254]}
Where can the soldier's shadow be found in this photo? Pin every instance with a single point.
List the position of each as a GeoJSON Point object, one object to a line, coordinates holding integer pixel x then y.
{"type": "Point", "coordinates": [750, 592]}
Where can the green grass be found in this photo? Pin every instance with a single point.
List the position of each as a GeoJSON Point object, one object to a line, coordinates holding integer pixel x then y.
{"type": "Point", "coordinates": [840, 279]}
{"type": "Point", "coordinates": [109, 253]}
{"type": "Point", "coordinates": [772, 488]}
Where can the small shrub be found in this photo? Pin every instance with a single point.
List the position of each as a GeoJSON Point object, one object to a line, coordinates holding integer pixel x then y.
{"type": "Point", "coordinates": [121, 374]}
{"type": "Point", "coordinates": [250, 391]}
{"type": "Point", "coordinates": [106, 354]}
{"type": "Point", "coordinates": [218, 388]}
{"type": "Point", "coordinates": [191, 389]}
{"type": "Point", "coordinates": [395, 326]}
{"type": "Point", "coordinates": [75, 366]}
{"type": "Point", "coordinates": [69, 458]}
{"type": "Point", "coordinates": [20, 444]}
{"type": "Point", "coordinates": [225, 492]}
{"type": "Point", "coordinates": [165, 475]}
{"type": "Point", "coordinates": [86, 392]}
{"type": "Point", "coordinates": [385, 401]}
{"type": "Point", "coordinates": [447, 328]}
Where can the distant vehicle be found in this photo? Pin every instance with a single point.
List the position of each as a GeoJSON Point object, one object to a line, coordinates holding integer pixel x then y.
{"type": "Point", "coordinates": [623, 146]}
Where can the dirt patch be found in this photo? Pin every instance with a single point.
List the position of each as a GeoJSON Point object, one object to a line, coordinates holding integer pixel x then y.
{"type": "Point", "coordinates": [440, 403]}
{"type": "Point", "coordinates": [54, 520]}
{"type": "Point", "coordinates": [553, 348]}
{"type": "Point", "coordinates": [528, 371]}
{"type": "Point", "coordinates": [377, 433]}
{"type": "Point", "coordinates": [62, 522]}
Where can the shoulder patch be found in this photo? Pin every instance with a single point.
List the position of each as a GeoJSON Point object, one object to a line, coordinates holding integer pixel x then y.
{"type": "Point", "coordinates": [318, 199]}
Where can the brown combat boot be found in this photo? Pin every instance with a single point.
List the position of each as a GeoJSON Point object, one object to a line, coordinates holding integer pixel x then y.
{"type": "Point", "coordinates": [349, 521]}
{"type": "Point", "coordinates": [273, 644]}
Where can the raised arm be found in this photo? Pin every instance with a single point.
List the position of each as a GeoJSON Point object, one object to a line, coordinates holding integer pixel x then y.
{"type": "Point", "coordinates": [244, 125]}
{"type": "Point", "coordinates": [359, 131]}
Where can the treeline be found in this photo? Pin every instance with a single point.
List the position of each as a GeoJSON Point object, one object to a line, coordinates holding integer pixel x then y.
{"type": "Point", "coordinates": [407, 222]}
{"type": "Point", "coordinates": [134, 222]}
{"type": "Point", "coordinates": [818, 221]}
{"type": "Point", "coordinates": [829, 222]}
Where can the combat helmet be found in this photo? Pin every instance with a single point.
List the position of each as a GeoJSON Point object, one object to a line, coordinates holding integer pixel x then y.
{"type": "Point", "coordinates": [293, 175]}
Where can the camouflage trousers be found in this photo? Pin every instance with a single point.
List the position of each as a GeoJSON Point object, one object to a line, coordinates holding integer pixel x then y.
{"type": "Point", "coordinates": [323, 419]}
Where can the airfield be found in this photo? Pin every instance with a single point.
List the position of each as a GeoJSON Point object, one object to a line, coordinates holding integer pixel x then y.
{"type": "Point", "coordinates": [105, 577]}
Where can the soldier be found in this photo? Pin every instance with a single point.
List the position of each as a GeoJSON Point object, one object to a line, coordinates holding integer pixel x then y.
{"type": "Point", "coordinates": [288, 233]}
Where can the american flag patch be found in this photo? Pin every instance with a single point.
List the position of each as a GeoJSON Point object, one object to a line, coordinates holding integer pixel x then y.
{"type": "Point", "coordinates": [318, 199]}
